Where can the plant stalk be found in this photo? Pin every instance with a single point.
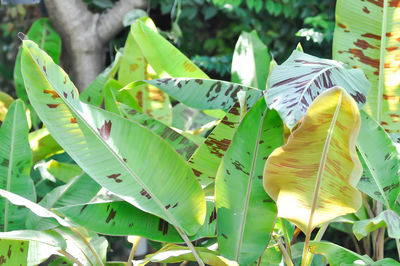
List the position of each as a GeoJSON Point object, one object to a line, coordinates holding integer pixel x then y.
{"type": "Point", "coordinates": [135, 244]}
{"type": "Point", "coordinates": [317, 238]}
{"type": "Point", "coordinates": [286, 237]}
{"type": "Point", "coordinates": [70, 257]}
{"type": "Point", "coordinates": [284, 252]}
{"type": "Point", "coordinates": [94, 252]}
{"type": "Point", "coordinates": [190, 246]}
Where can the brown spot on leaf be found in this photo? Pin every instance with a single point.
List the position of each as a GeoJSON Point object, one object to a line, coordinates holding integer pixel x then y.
{"type": "Point", "coordinates": [65, 79]}
{"type": "Point", "coordinates": [199, 81]}
{"type": "Point", "coordinates": [363, 44]}
{"type": "Point", "coordinates": [359, 97]}
{"type": "Point", "coordinates": [130, 225]}
{"type": "Point", "coordinates": [53, 93]}
{"type": "Point", "coordinates": [217, 147]}
{"type": "Point", "coordinates": [44, 68]}
{"type": "Point", "coordinates": [391, 49]}
{"type": "Point", "coordinates": [163, 226]}
{"type": "Point", "coordinates": [240, 167]}
{"type": "Point", "coordinates": [5, 162]}
{"type": "Point", "coordinates": [213, 216]}
{"type": "Point", "coordinates": [168, 206]}
{"type": "Point", "coordinates": [342, 25]}
{"type": "Point", "coordinates": [9, 251]}
{"type": "Point", "coordinates": [394, 3]}
{"type": "Point", "coordinates": [196, 172]}
{"type": "Point", "coordinates": [176, 205]}
{"type": "Point", "coordinates": [53, 105]}
{"type": "Point", "coordinates": [373, 36]}
{"type": "Point", "coordinates": [376, 2]}
{"type": "Point", "coordinates": [365, 59]}
{"type": "Point", "coordinates": [89, 99]}
{"type": "Point", "coordinates": [73, 120]}
{"type": "Point", "coordinates": [366, 10]}
{"type": "Point", "coordinates": [144, 193]}
{"type": "Point", "coordinates": [65, 95]}
{"type": "Point", "coordinates": [105, 130]}
{"type": "Point", "coordinates": [189, 66]}
{"type": "Point", "coordinates": [224, 236]}
{"type": "Point", "coordinates": [111, 215]}
{"type": "Point", "coordinates": [115, 177]}
{"type": "Point", "coordinates": [83, 208]}
{"type": "Point", "coordinates": [133, 67]}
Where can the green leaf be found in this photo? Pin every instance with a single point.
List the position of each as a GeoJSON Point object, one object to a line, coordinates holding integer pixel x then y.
{"type": "Point", "coordinates": [337, 255]}
{"type": "Point", "coordinates": [207, 158]}
{"type": "Point", "coordinates": [66, 195]}
{"type": "Point", "coordinates": [43, 145]}
{"type": "Point", "coordinates": [13, 252]}
{"type": "Point", "coordinates": [182, 145]}
{"type": "Point", "coordinates": [171, 253]}
{"type": "Point", "coordinates": [121, 218]}
{"type": "Point", "coordinates": [189, 119]}
{"type": "Point", "coordinates": [102, 145]}
{"type": "Point", "coordinates": [94, 93]}
{"type": "Point", "coordinates": [246, 214]}
{"type": "Point", "coordinates": [42, 33]}
{"type": "Point", "coordinates": [34, 207]}
{"type": "Point", "coordinates": [139, 64]}
{"type": "Point", "coordinates": [158, 52]}
{"type": "Point", "coordinates": [48, 237]}
{"type": "Point", "coordinates": [381, 163]}
{"type": "Point", "coordinates": [202, 93]}
{"type": "Point", "coordinates": [63, 171]}
{"type": "Point", "coordinates": [386, 218]}
{"type": "Point", "coordinates": [250, 63]}
{"type": "Point", "coordinates": [15, 166]}
{"type": "Point", "coordinates": [293, 85]}
{"type": "Point", "coordinates": [370, 42]}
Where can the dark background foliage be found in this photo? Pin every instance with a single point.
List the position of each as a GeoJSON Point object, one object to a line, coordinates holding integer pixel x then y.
{"type": "Point", "coordinates": [205, 30]}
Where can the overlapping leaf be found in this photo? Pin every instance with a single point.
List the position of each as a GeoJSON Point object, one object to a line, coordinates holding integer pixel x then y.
{"type": "Point", "coordinates": [293, 85]}
{"type": "Point", "coordinates": [371, 42]}
{"type": "Point", "coordinates": [250, 63]}
{"type": "Point", "coordinates": [313, 177]}
{"type": "Point", "coordinates": [43, 145]}
{"type": "Point", "coordinates": [15, 166]}
{"type": "Point", "coordinates": [381, 163]}
{"type": "Point", "coordinates": [112, 149]}
{"type": "Point", "coordinates": [386, 218]}
{"type": "Point", "coordinates": [203, 93]}
{"type": "Point", "coordinates": [121, 218]}
{"type": "Point", "coordinates": [142, 62]}
{"type": "Point", "coordinates": [246, 215]}
{"type": "Point", "coordinates": [207, 158]}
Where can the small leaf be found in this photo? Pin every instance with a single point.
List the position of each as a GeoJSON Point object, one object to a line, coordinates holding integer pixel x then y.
{"type": "Point", "coordinates": [171, 253]}
{"type": "Point", "coordinates": [387, 218]}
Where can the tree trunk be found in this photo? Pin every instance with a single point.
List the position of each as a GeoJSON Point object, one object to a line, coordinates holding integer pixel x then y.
{"type": "Point", "coordinates": [85, 34]}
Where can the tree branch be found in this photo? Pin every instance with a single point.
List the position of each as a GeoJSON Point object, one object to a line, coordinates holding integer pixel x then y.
{"type": "Point", "coordinates": [110, 23]}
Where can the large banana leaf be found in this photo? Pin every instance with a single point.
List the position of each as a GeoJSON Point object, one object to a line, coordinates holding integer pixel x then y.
{"type": "Point", "coordinates": [120, 155]}
{"type": "Point", "coordinates": [246, 215]}
{"type": "Point", "coordinates": [121, 218]}
{"type": "Point", "coordinates": [250, 63]}
{"type": "Point", "coordinates": [207, 158]}
{"type": "Point", "coordinates": [293, 85]}
{"type": "Point", "coordinates": [141, 62]}
{"type": "Point", "coordinates": [381, 163]}
{"type": "Point", "coordinates": [371, 42]}
{"type": "Point", "coordinates": [15, 166]}
{"type": "Point", "coordinates": [313, 177]}
{"type": "Point", "coordinates": [202, 93]}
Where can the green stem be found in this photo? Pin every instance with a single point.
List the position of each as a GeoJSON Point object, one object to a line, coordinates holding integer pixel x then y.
{"type": "Point", "coordinates": [135, 244]}
{"type": "Point", "coordinates": [94, 252]}
{"type": "Point", "coordinates": [284, 252]}
{"type": "Point", "coordinates": [70, 257]}
{"type": "Point", "coordinates": [286, 237]}
{"type": "Point", "coordinates": [317, 238]}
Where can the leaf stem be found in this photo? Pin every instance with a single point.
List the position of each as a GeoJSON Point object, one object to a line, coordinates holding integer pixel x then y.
{"type": "Point", "coordinates": [284, 252]}
{"type": "Point", "coordinates": [135, 244]}
{"type": "Point", "coordinates": [94, 252]}
{"type": "Point", "coordinates": [317, 238]}
{"type": "Point", "coordinates": [190, 246]}
{"type": "Point", "coordinates": [70, 257]}
{"type": "Point", "coordinates": [286, 236]}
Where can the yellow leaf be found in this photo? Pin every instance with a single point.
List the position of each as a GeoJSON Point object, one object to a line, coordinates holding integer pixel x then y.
{"type": "Point", "coordinates": [313, 177]}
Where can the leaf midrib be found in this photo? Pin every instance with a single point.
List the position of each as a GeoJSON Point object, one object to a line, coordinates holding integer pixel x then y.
{"type": "Point", "coordinates": [322, 164]}
{"type": "Point", "coordinates": [246, 204]}
{"type": "Point", "coordinates": [10, 163]}
{"type": "Point", "coordinates": [382, 62]}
